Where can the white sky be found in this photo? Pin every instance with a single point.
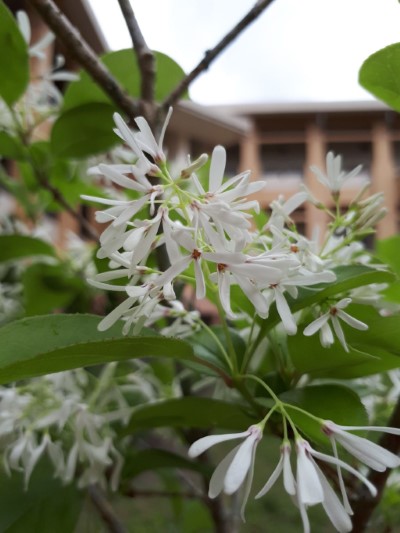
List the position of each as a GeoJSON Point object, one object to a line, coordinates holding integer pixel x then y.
{"type": "Point", "coordinates": [297, 50]}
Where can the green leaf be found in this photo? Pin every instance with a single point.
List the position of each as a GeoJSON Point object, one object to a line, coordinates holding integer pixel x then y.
{"type": "Point", "coordinates": [14, 66]}
{"type": "Point", "coordinates": [41, 345]}
{"type": "Point", "coordinates": [49, 288]}
{"type": "Point", "coordinates": [206, 347]}
{"type": "Point", "coordinates": [372, 351]}
{"type": "Point", "coordinates": [152, 460]}
{"type": "Point", "coordinates": [194, 412]}
{"type": "Point", "coordinates": [329, 402]}
{"type": "Point", "coordinates": [123, 66]}
{"type": "Point", "coordinates": [380, 75]}
{"type": "Point", "coordinates": [13, 247]}
{"type": "Point", "coordinates": [46, 506]}
{"type": "Point", "coordinates": [84, 130]}
{"type": "Point", "coordinates": [387, 250]}
{"type": "Point", "coordinates": [347, 278]}
{"type": "Point", "coordinates": [10, 147]}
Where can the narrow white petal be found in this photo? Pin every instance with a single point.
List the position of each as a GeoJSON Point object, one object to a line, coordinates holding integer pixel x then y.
{"type": "Point", "coordinates": [314, 326]}
{"type": "Point", "coordinates": [339, 332]}
{"type": "Point", "coordinates": [24, 26]}
{"type": "Point", "coordinates": [344, 302]}
{"type": "Point", "coordinates": [164, 128]}
{"type": "Point", "coordinates": [249, 482]}
{"type": "Point", "coordinates": [116, 314]}
{"type": "Point", "coordinates": [326, 336]}
{"type": "Point", "coordinates": [217, 167]}
{"type": "Point", "coordinates": [334, 509]}
{"type": "Point", "coordinates": [240, 465]}
{"type": "Point", "coordinates": [284, 312]}
{"type": "Point", "coordinates": [382, 429]}
{"type": "Point", "coordinates": [201, 445]}
{"type": "Point", "coordinates": [174, 270]}
{"type": "Point", "coordinates": [346, 502]}
{"type": "Point", "coordinates": [224, 288]}
{"type": "Point", "coordinates": [368, 452]}
{"type": "Point", "coordinates": [218, 478]}
{"type": "Point", "coordinates": [342, 464]}
{"type": "Point", "coordinates": [308, 485]}
{"type": "Point", "coordinates": [272, 479]}
{"type": "Point", "coordinates": [200, 284]}
{"type": "Point", "coordinates": [288, 478]}
{"type": "Point", "coordinates": [120, 179]}
{"type": "Point", "coordinates": [351, 321]}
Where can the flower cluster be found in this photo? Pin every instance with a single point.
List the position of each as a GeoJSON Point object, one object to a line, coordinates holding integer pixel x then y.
{"type": "Point", "coordinates": [208, 238]}
{"type": "Point", "coordinates": [64, 417]}
{"type": "Point", "coordinates": [307, 484]}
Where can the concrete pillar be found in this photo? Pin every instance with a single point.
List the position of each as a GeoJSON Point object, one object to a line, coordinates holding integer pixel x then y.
{"type": "Point", "coordinates": [315, 155]}
{"type": "Point", "coordinates": [249, 158]}
{"type": "Point", "coordinates": [384, 178]}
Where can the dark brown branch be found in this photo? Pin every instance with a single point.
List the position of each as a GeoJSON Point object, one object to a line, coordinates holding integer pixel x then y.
{"type": "Point", "coordinates": [364, 503]}
{"type": "Point", "coordinates": [210, 55]}
{"type": "Point", "coordinates": [105, 510]}
{"type": "Point", "coordinates": [84, 55]}
{"type": "Point", "coordinates": [145, 56]}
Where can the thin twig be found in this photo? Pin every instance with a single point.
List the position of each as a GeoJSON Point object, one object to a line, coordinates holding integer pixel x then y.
{"type": "Point", "coordinates": [105, 510]}
{"type": "Point", "coordinates": [145, 56]}
{"type": "Point", "coordinates": [84, 55]}
{"type": "Point", "coordinates": [364, 503]}
{"type": "Point", "coordinates": [210, 55]}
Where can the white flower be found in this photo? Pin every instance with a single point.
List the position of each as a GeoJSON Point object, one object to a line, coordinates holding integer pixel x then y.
{"type": "Point", "coordinates": [309, 488]}
{"type": "Point", "coordinates": [247, 273]}
{"type": "Point", "coordinates": [312, 487]}
{"type": "Point", "coordinates": [237, 467]}
{"type": "Point", "coordinates": [225, 203]}
{"type": "Point", "coordinates": [369, 453]}
{"type": "Point", "coordinates": [181, 263]}
{"type": "Point", "coordinates": [282, 466]}
{"type": "Point", "coordinates": [281, 210]}
{"type": "Point", "coordinates": [288, 282]}
{"type": "Point", "coordinates": [335, 312]}
{"type": "Point", "coordinates": [335, 176]}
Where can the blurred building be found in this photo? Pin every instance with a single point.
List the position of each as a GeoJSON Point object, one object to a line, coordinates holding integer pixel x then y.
{"type": "Point", "coordinates": [277, 142]}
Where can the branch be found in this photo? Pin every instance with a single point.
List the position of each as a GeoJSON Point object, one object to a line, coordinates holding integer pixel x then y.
{"type": "Point", "coordinates": [105, 510]}
{"type": "Point", "coordinates": [144, 55]}
{"type": "Point", "coordinates": [210, 55]}
{"type": "Point", "coordinates": [84, 55]}
{"type": "Point", "coordinates": [365, 504]}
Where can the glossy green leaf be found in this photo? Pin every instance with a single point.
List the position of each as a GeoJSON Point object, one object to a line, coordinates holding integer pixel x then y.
{"type": "Point", "coordinates": [10, 147]}
{"type": "Point", "coordinates": [122, 64]}
{"type": "Point", "coordinates": [49, 288]}
{"type": "Point", "coordinates": [206, 347]}
{"type": "Point", "coordinates": [387, 250]}
{"type": "Point", "coordinates": [193, 412]}
{"type": "Point", "coordinates": [53, 343]}
{"type": "Point", "coordinates": [329, 402]}
{"type": "Point", "coordinates": [84, 131]}
{"type": "Point", "coordinates": [347, 278]}
{"type": "Point", "coordinates": [13, 247]}
{"type": "Point", "coordinates": [372, 351]}
{"type": "Point", "coordinates": [153, 460]}
{"type": "Point", "coordinates": [14, 65]}
{"type": "Point", "coordinates": [46, 506]}
{"type": "Point", "coordinates": [380, 75]}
